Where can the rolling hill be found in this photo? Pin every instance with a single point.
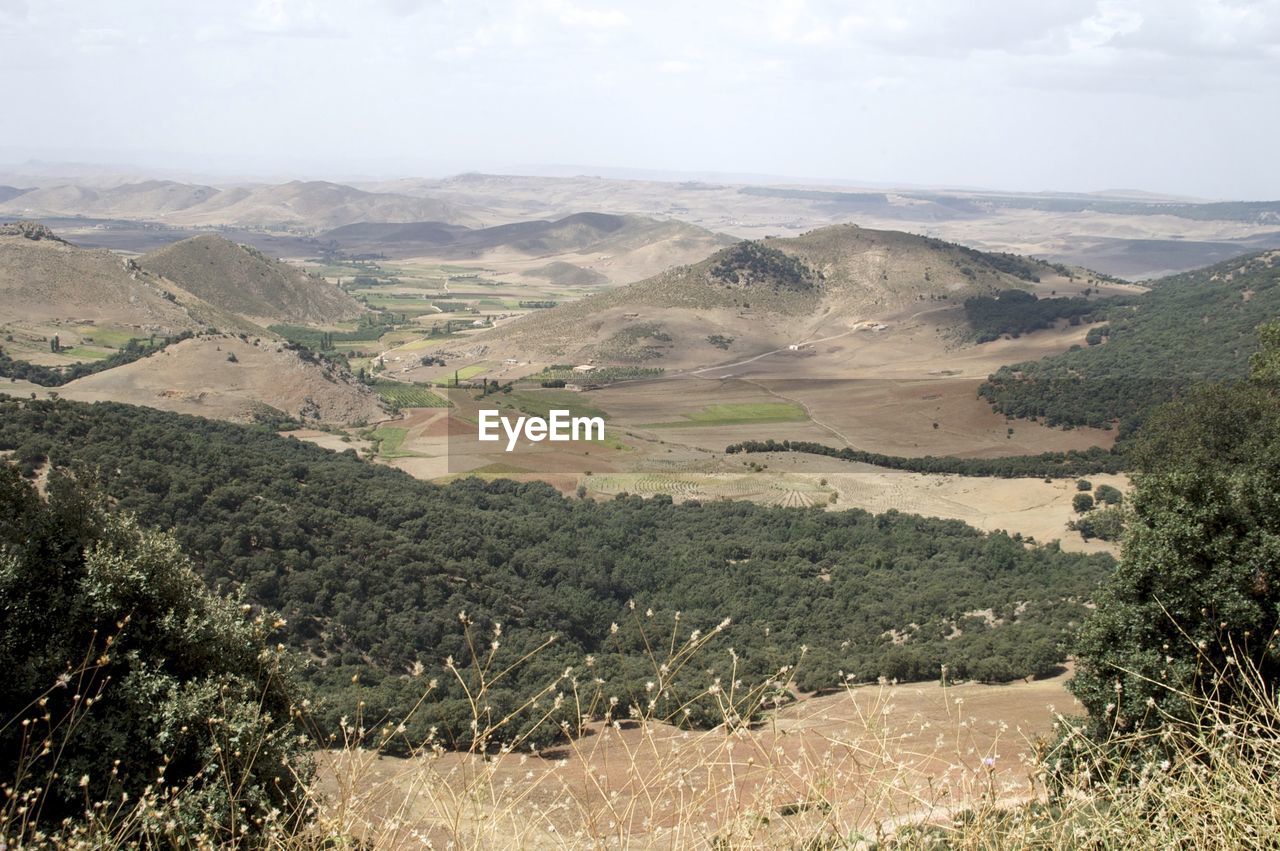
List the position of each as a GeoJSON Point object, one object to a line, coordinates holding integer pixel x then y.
{"type": "Point", "coordinates": [759, 296]}
{"type": "Point", "coordinates": [1132, 234]}
{"type": "Point", "coordinates": [298, 205]}
{"type": "Point", "coordinates": [580, 232]}
{"type": "Point", "coordinates": [94, 301]}
{"type": "Point", "coordinates": [583, 249]}
{"type": "Point", "coordinates": [229, 378]}
{"type": "Point", "coordinates": [567, 273]}
{"type": "Point", "coordinates": [244, 281]}
{"type": "Point", "coordinates": [45, 279]}
{"type": "Point", "coordinates": [147, 199]}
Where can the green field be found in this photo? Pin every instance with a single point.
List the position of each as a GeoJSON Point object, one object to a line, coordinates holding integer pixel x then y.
{"type": "Point", "coordinates": [539, 402]}
{"type": "Point", "coordinates": [409, 395]}
{"type": "Point", "coordinates": [409, 305]}
{"type": "Point", "coordinates": [389, 439]}
{"type": "Point", "coordinates": [473, 370]}
{"type": "Point", "coordinates": [110, 337]}
{"type": "Point", "coordinates": [85, 353]}
{"type": "Point", "coordinates": [745, 413]}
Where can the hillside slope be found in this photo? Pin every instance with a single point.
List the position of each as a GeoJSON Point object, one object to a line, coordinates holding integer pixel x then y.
{"type": "Point", "coordinates": [44, 278]}
{"type": "Point", "coordinates": [244, 281]}
{"type": "Point", "coordinates": [93, 302]}
{"type": "Point", "coordinates": [1195, 326]}
{"type": "Point", "coordinates": [200, 377]}
{"type": "Point", "coordinates": [763, 295]}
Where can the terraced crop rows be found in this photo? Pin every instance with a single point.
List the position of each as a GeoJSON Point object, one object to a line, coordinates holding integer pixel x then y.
{"type": "Point", "coordinates": [409, 395]}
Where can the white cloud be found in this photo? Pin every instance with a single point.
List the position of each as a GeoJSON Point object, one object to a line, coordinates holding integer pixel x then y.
{"type": "Point", "coordinates": [290, 18]}
{"type": "Point", "coordinates": [678, 66]}
{"type": "Point", "coordinates": [13, 8]}
{"type": "Point", "coordinates": [584, 17]}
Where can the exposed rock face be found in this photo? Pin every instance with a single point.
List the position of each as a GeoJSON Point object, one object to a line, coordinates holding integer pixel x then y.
{"type": "Point", "coordinates": [30, 230]}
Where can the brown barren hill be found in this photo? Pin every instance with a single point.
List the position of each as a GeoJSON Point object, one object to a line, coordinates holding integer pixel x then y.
{"type": "Point", "coordinates": [300, 205]}
{"type": "Point", "coordinates": [229, 378]}
{"type": "Point", "coordinates": [758, 296]}
{"type": "Point", "coordinates": [44, 278]}
{"type": "Point", "coordinates": [147, 199]}
{"type": "Point", "coordinates": [244, 281]}
{"type": "Point", "coordinates": [584, 249]}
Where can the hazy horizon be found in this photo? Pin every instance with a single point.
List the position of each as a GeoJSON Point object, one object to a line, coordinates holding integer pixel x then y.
{"type": "Point", "coordinates": [1172, 98]}
{"type": "Point", "coordinates": [109, 173]}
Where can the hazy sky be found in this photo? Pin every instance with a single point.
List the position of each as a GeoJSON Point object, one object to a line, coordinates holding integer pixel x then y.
{"type": "Point", "coordinates": [1177, 96]}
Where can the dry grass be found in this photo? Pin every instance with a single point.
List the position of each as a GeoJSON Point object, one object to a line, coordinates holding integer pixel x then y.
{"type": "Point", "coordinates": [861, 768]}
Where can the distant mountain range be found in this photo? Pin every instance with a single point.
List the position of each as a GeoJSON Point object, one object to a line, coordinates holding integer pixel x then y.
{"type": "Point", "coordinates": [310, 205]}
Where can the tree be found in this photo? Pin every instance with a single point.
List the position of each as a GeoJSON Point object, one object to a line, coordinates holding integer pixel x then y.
{"type": "Point", "coordinates": [1108, 494]}
{"type": "Point", "coordinates": [1265, 363]}
{"type": "Point", "coordinates": [1082, 502]}
{"type": "Point", "coordinates": [93, 607]}
{"type": "Point", "coordinates": [1196, 596]}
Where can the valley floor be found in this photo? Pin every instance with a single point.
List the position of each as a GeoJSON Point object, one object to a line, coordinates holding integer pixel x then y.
{"type": "Point", "coordinates": [856, 763]}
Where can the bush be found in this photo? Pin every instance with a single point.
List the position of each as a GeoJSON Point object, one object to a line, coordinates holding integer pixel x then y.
{"type": "Point", "coordinates": [1106, 524]}
{"type": "Point", "coordinates": [1082, 502]}
{"type": "Point", "coordinates": [1108, 494]}
{"type": "Point", "coordinates": [1198, 589]}
{"type": "Point", "coordinates": [117, 658]}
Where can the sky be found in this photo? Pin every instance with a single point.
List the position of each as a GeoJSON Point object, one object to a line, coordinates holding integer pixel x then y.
{"type": "Point", "coordinates": [1170, 96]}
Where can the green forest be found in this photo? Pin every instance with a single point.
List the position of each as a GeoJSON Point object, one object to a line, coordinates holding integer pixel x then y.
{"type": "Point", "coordinates": [1015, 312]}
{"type": "Point", "coordinates": [371, 570]}
{"type": "Point", "coordinates": [1048, 464]}
{"type": "Point", "coordinates": [1193, 327]}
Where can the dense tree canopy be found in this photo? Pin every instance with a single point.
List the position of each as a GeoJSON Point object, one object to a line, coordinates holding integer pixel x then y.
{"type": "Point", "coordinates": [1016, 312]}
{"type": "Point", "coordinates": [121, 668]}
{"type": "Point", "coordinates": [1197, 592]}
{"type": "Point", "coordinates": [371, 568]}
{"type": "Point", "coordinates": [1072, 463]}
{"type": "Point", "coordinates": [1193, 327]}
